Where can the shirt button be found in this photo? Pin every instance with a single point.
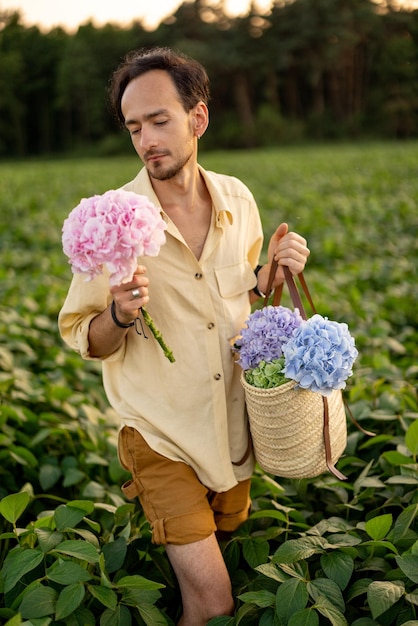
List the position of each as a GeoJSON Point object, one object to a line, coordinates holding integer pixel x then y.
{"type": "Point", "coordinates": [211, 325]}
{"type": "Point", "coordinates": [198, 276]}
{"type": "Point", "coordinates": [217, 376]}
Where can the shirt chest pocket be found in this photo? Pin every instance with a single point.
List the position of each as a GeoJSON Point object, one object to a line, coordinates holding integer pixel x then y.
{"type": "Point", "coordinates": [234, 280]}
{"type": "Point", "coordinates": [234, 283]}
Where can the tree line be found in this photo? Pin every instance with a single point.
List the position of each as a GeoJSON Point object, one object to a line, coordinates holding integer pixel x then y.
{"type": "Point", "coordinates": [304, 70]}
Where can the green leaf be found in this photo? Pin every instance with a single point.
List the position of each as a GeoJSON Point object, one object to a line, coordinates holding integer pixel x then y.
{"type": "Point", "coordinates": [67, 517]}
{"type": "Point", "coordinates": [78, 549]}
{"type": "Point", "coordinates": [46, 521]}
{"type": "Point", "coordinates": [114, 553]}
{"type": "Point", "coordinates": [120, 616]}
{"type": "Point", "coordinates": [13, 505]}
{"type": "Point", "coordinates": [137, 582]}
{"type": "Point", "coordinates": [343, 540]}
{"type": "Point", "coordinates": [271, 571]}
{"type": "Point", "coordinates": [105, 595]}
{"type": "Point", "coordinates": [269, 513]}
{"type": "Point", "coordinates": [328, 589]}
{"type": "Point", "coordinates": [411, 438]}
{"type": "Point", "coordinates": [69, 600]}
{"type": "Point", "coordinates": [378, 527]}
{"type": "Point", "coordinates": [82, 617]}
{"type": "Point", "coordinates": [82, 505]}
{"type": "Point", "coordinates": [151, 615]}
{"type": "Point", "coordinates": [358, 588]}
{"type": "Point", "coordinates": [23, 456]}
{"type": "Point", "coordinates": [409, 565]}
{"type": "Point", "coordinates": [297, 570]}
{"type": "Point", "coordinates": [387, 545]}
{"type": "Point", "coordinates": [38, 602]}
{"type": "Point", "coordinates": [306, 617]}
{"type": "Point", "coordinates": [16, 620]}
{"type": "Point", "coordinates": [88, 535]}
{"type": "Point", "coordinates": [412, 598]}
{"type": "Point", "coordinates": [48, 538]}
{"type": "Point", "coordinates": [330, 612]}
{"type": "Point", "coordinates": [255, 551]}
{"type": "Point", "coordinates": [381, 595]}
{"type": "Point", "coordinates": [404, 521]}
{"type": "Point", "coordinates": [298, 549]}
{"type": "Point", "coordinates": [136, 597]}
{"type": "Point", "coordinates": [73, 476]}
{"type": "Point", "coordinates": [19, 562]}
{"type": "Point", "coordinates": [291, 596]}
{"type": "Point", "coordinates": [67, 572]}
{"type": "Point", "coordinates": [9, 535]}
{"type": "Point", "coordinates": [396, 458]}
{"type": "Point", "coordinates": [262, 598]}
{"type": "Point", "coordinates": [123, 514]}
{"type": "Point", "coordinates": [48, 475]}
{"type": "Point", "coordinates": [338, 566]}
{"type": "Point", "coordinates": [94, 490]}
{"type": "Point", "coordinates": [403, 479]}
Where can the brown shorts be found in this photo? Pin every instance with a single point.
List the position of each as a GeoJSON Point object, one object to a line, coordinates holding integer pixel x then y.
{"type": "Point", "coordinates": [179, 508]}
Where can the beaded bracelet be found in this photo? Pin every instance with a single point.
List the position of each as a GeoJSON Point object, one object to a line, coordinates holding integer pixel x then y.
{"type": "Point", "coordinates": [115, 319]}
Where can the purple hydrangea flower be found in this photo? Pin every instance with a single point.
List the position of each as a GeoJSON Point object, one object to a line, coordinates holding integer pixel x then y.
{"type": "Point", "coordinates": [320, 355]}
{"type": "Point", "coordinates": [267, 331]}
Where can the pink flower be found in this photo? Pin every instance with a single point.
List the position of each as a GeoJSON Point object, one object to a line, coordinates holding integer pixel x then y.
{"type": "Point", "coordinates": [112, 230]}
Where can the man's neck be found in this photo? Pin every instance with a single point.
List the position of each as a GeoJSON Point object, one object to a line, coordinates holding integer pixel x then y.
{"type": "Point", "coordinates": [183, 192]}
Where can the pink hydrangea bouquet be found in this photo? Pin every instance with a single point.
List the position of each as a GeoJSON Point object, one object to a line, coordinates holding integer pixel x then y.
{"type": "Point", "coordinates": [112, 230]}
{"type": "Point", "coordinates": [277, 346]}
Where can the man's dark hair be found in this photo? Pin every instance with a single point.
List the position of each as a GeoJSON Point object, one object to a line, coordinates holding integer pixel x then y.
{"type": "Point", "coordinates": [188, 75]}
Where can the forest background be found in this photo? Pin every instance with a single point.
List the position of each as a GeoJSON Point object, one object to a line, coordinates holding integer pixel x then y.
{"type": "Point", "coordinates": [306, 70]}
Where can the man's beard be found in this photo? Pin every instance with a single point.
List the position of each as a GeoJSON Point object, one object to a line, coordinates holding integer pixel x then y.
{"type": "Point", "coordinates": [161, 173]}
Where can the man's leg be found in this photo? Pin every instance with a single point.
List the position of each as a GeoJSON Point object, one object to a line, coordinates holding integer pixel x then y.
{"type": "Point", "coordinates": [204, 581]}
{"type": "Point", "coordinates": [184, 516]}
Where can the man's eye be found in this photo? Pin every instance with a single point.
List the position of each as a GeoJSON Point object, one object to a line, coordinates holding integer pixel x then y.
{"type": "Point", "coordinates": [161, 122]}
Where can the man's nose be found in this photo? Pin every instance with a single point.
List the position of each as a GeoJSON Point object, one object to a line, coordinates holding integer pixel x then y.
{"type": "Point", "coordinates": [148, 138]}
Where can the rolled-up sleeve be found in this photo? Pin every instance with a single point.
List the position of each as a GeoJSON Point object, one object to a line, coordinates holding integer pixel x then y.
{"type": "Point", "coordinates": [84, 302]}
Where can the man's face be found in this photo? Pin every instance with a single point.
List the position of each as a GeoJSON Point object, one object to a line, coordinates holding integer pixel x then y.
{"type": "Point", "coordinates": [161, 131]}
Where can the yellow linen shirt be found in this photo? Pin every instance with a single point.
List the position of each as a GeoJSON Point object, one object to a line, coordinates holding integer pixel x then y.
{"type": "Point", "coordinates": [191, 410]}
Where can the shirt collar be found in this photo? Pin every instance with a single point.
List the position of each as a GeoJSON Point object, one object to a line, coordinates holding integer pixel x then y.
{"type": "Point", "coordinates": [222, 211]}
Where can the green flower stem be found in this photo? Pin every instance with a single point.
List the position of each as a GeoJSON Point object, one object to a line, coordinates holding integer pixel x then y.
{"type": "Point", "coordinates": [150, 323]}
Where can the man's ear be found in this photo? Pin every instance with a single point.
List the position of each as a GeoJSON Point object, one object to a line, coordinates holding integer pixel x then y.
{"type": "Point", "coordinates": [200, 119]}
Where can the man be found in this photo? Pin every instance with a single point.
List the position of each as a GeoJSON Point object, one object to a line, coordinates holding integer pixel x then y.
{"type": "Point", "coordinates": [184, 434]}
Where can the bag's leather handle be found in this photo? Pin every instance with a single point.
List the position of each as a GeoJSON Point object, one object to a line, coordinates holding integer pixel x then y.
{"type": "Point", "coordinates": [327, 443]}
{"type": "Point", "coordinates": [293, 290]}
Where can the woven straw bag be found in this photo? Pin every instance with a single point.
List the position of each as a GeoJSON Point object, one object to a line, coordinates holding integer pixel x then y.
{"type": "Point", "coordinates": [287, 429]}
{"type": "Point", "coordinates": [296, 433]}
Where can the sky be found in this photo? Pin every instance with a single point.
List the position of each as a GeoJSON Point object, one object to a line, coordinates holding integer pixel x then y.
{"type": "Point", "coordinates": [71, 13]}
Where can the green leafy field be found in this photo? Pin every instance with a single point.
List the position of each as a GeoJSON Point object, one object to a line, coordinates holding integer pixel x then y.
{"type": "Point", "coordinates": [317, 551]}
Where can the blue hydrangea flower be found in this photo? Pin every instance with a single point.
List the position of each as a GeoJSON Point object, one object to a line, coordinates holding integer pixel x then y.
{"type": "Point", "coordinates": [266, 332]}
{"type": "Point", "coordinates": [320, 355]}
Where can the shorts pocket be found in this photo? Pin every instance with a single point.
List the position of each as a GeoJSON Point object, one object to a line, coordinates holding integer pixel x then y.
{"type": "Point", "coordinates": [127, 454]}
